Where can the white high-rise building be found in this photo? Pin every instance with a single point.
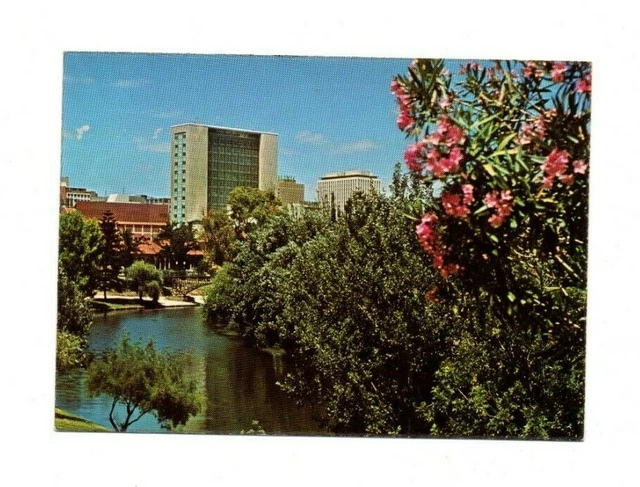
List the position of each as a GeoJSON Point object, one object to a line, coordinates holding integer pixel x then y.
{"type": "Point", "coordinates": [335, 189]}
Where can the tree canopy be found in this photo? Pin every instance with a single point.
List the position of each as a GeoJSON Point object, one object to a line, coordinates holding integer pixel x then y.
{"type": "Point", "coordinates": [143, 380]}
{"type": "Point", "coordinates": [144, 278]}
{"type": "Point", "coordinates": [110, 260]}
{"type": "Point", "coordinates": [251, 207]}
{"type": "Point", "coordinates": [80, 246]}
{"type": "Point", "coordinates": [218, 238]}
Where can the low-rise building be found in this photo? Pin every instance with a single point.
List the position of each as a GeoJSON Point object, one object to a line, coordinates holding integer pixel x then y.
{"type": "Point", "coordinates": [143, 220]}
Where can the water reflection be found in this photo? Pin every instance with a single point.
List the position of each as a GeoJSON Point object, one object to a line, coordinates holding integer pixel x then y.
{"type": "Point", "coordinates": [239, 383]}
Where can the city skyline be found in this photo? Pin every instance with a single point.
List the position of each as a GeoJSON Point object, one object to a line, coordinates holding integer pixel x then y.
{"type": "Point", "coordinates": [331, 114]}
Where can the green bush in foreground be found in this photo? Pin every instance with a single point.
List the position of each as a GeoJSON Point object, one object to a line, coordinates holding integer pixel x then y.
{"type": "Point", "coordinates": [144, 380]}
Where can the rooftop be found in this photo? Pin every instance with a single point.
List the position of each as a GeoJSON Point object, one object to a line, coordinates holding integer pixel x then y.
{"type": "Point", "coordinates": [349, 174]}
{"type": "Point", "coordinates": [125, 212]}
{"type": "Point", "coordinates": [233, 129]}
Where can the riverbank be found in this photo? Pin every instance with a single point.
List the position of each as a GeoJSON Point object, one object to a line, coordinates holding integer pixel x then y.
{"type": "Point", "coordinates": [65, 421]}
{"type": "Point", "coordinates": [118, 302]}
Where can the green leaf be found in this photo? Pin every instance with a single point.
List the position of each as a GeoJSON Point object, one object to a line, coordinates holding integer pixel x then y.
{"type": "Point", "coordinates": [511, 296]}
{"type": "Point", "coordinates": [489, 168]}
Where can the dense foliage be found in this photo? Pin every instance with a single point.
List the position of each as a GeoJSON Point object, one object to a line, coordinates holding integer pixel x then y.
{"type": "Point", "coordinates": [80, 245]}
{"type": "Point", "coordinates": [78, 272]}
{"type": "Point", "coordinates": [144, 380]}
{"type": "Point", "coordinates": [144, 279]}
{"type": "Point", "coordinates": [455, 306]}
{"type": "Point", "coordinates": [506, 147]}
{"type": "Point", "coordinates": [176, 241]}
{"type": "Point", "coordinates": [251, 207]}
{"type": "Point", "coordinates": [111, 254]}
{"type": "Point", "coordinates": [217, 238]}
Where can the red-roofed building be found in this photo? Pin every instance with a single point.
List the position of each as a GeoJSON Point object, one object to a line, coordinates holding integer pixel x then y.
{"type": "Point", "coordinates": [143, 220]}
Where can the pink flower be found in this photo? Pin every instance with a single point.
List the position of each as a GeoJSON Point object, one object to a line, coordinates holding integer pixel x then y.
{"type": "Point", "coordinates": [491, 199]}
{"type": "Point", "coordinates": [467, 191]}
{"type": "Point", "coordinates": [566, 179]}
{"type": "Point", "coordinates": [502, 202]}
{"type": "Point", "coordinates": [454, 206]}
{"type": "Point", "coordinates": [557, 72]}
{"type": "Point", "coordinates": [579, 167]}
{"type": "Point", "coordinates": [444, 102]}
{"type": "Point", "coordinates": [556, 163]}
{"type": "Point", "coordinates": [583, 85]}
{"type": "Point", "coordinates": [529, 70]}
{"type": "Point", "coordinates": [412, 157]}
{"type": "Point", "coordinates": [430, 242]}
{"type": "Point", "coordinates": [405, 120]}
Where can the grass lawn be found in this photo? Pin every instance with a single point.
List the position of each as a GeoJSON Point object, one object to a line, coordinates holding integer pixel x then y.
{"type": "Point", "coordinates": [66, 421]}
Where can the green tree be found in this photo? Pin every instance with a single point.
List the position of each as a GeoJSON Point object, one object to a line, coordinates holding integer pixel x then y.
{"type": "Point", "coordinates": [363, 341]}
{"type": "Point", "coordinates": [79, 250]}
{"type": "Point", "coordinates": [129, 248]}
{"type": "Point", "coordinates": [248, 283]}
{"type": "Point", "coordinates": [251, 207]}
{"type": "Point", "coordinates": [143, 380]}
{"type": "Point", "coordinates": [70, 351]}
{"type": "Point", "coordinates": [144, 278]}
{"type": "Point", "coordinates": [111, 253]}
{"type": "Point", "coordinates": [218, 238]}
{"type": "Point", "coordinates": [176, 242]}
{"type": "Point", "coordinates": [73, 323]}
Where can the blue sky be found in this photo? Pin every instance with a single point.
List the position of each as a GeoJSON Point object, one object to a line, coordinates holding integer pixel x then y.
{"type": "Point", "coordinates": [331, 114]}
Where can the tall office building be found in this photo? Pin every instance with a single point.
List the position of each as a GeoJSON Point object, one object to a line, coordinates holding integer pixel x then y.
{"type": "Point", "coordinates": [207, 163]}
{"type": "Point", "coordinates": [335, 189]}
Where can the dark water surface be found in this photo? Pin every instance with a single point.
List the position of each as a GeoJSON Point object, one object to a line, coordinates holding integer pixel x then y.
{"type": "Point", "coordinates": [239, 382]}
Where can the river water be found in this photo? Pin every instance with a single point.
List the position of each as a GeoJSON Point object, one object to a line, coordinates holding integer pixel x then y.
{"type": "Point", "coordinates": [239, 382]}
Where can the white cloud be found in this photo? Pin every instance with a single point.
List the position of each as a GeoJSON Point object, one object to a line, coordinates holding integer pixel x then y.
{"type": "Point", "coordinates": [156, 132]}
{"type": "Point", "coordinates": [364, 145]}
{"type": "Point", "coordinates": [170, 114]}
{"type": "Point", "coordinates": [312, 138]}
{"type": "Point", "coordinates": [129, 83]}
{"type": "Point", "coordinates": [80, 131]}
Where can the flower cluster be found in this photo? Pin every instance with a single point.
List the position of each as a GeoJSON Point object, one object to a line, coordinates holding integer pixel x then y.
{"type": "Point", "coordinates": [471, 66]}
{"type": "Point", "coordinates": [583, 85]}
{"type": "Point", "coordinates": [405, 119]}
{"type": "Point", "coordinates": [502, 203]}
{"type": "Point", "coordinates": [532, 70]}
{"type": "Point", "coordinates": [430, 242]}
{"type": "Point", "coordinates": [440, 153]}
{"type": "Point", "coordinates": [556, 165]}
{"type": "Point", "coordinates": [458, 205]}
{"type": "Point", "coordinates": [536, 129]}
{"type": "Point", "coordinates": [557, 71]}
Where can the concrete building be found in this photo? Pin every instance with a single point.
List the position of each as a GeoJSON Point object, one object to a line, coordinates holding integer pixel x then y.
{"type": "Point", "coordinates": [69, 196]}
{"type": "Point", "coordinates": [290, 192]}
{"type": "Point", "coordinates": [335, 189]}
{"type": "Point", "coordinates": [136, 198]}
{"type": "Point", "coordinates": [207, 163]}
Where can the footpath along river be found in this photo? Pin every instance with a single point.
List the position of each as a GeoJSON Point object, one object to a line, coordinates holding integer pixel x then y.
{"type": "Point", "coordinates": [239, 382]}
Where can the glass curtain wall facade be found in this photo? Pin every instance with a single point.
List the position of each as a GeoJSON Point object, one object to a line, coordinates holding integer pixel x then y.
{"type": "Point", "coordinates": [233, 159]}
